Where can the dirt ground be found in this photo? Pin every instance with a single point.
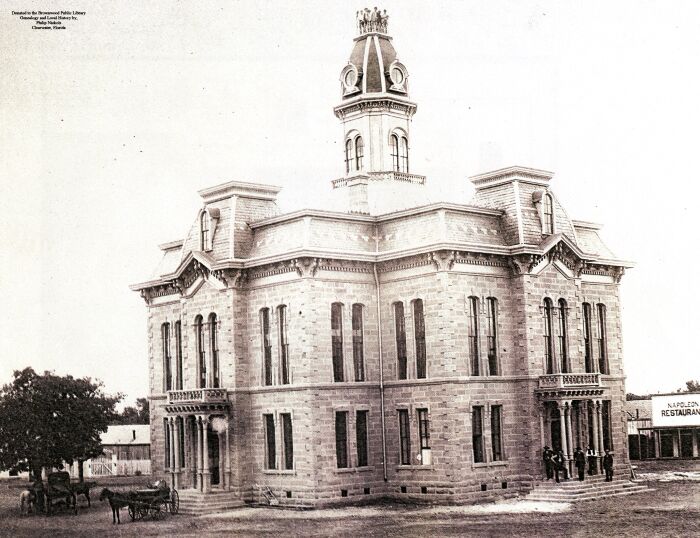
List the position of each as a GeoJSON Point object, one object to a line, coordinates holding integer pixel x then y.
{"type": "Point", "coordinates": [671, 509]}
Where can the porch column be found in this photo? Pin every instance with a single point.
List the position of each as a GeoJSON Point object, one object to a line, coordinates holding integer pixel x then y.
{"type": "Point", "coordinates": [569, 437]}
{"type": "Point", "coordinates": [594, 416]}
{"type": "Point", "coordinates": [178, 463]}
{"type": "Point", "coordinates": [562, 427]}
{"type": "Point", "coordinates": [200, 454]}
{"type": "Point", "coordinates": [227, 470]}
{"type": "Point", "coordinates": [657, 442]}
{"type": "Point", "coordinates": [599, 411]}
{"type": "Point", "coordinates": [171, 450]}
{"type": "Point", "coordinates": [206, 474]}
{"type": "Point", "coordinates": [540, 412]}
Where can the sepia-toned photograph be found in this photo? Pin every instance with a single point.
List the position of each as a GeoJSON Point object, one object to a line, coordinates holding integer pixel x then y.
{"type": "Point", "coordinates": [326, 268]}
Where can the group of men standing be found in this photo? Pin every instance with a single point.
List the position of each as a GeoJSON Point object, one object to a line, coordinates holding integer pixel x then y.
{"type": "Point", "coordinates": [555, 463]}
{"type": "Point", "coordinates": [372, 21]}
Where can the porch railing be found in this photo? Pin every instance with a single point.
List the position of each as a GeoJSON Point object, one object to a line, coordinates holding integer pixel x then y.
{"type": "Point", "coordinates": [197, 396]}
{"type": "Point", "coordinates": [551, 381]}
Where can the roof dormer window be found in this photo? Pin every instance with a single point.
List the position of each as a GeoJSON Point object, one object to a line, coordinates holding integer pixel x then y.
{"type": "Point", "coordinates": [204, 231]}
{"type": "Point", "coordinates": [548, 214]}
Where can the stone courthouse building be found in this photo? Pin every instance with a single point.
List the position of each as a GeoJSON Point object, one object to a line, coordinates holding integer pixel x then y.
{"type": "Point", "coordinates": [392, 349]}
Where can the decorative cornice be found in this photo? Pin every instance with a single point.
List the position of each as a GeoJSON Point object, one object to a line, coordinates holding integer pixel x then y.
{"type": "Point", "coordinates": [510, 174]}
{"type": "Point", "coordinates": [376, 102]}
{"type": "Point", "coordinates": [243, 189]}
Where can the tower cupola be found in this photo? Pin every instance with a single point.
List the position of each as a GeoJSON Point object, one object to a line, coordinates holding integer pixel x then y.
{"type": "Point", "coordinates": [376, 115]}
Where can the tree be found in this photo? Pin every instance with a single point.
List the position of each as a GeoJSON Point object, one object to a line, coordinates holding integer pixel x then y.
{"type": "Point", "coordinates": [46, 420]}
{"type": "Point", "coordinates": [135, 415]}
{"type": "Point", "coordinates": [630, 397]}
{"type": "Point", "coordinates": [692, 386]}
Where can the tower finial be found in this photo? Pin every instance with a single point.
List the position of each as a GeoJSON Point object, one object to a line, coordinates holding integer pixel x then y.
{"type": "Point", "coordinates": [372, 21]}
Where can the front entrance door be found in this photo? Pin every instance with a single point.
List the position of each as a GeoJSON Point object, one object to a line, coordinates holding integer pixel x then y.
{"type": "Point", "coordinates": [555, 429]}
{"type": "Point", "coordinates": [214, 457]}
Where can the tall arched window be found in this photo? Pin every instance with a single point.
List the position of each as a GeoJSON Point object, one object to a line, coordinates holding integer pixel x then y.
{"type": "Point", "coordinates": [359, 152]}
{"type": "Point", "coordinates": [394, 147]}
{"type": "Point", "coordinates": [587, 338]}
{"type": "Point", "coordinates": [548, 213]}
{"type": "Point", "coordinates": [348, 155]}
{"type": "Point", "coordinates": [214, 349]}
{"type": "Point", "coordinates": [602, 341]}
{"type": "Point", "coordinates": [204, 231]}
{"type": "Point", "coordinates": [548, 344]}
{"type": "Point", "coordinates": [266, 345]}
{"type": "Point", "coordinates": [404, 154]}
{"type": "Point", "coordinates": [400, 326]}
{"type": "Point", "coordinates": [358, 352]}
{"type": "Point", "coordinates": [419, 334]}
{"type": "Point", "coordinates": [201, 353]}
{"type": "Point", "coordinates": [167, 360]}
{"type": "Point", "coordinates": [283, 343]}
{"type": "Point", "coordinates": [337, 341]}
{"type": "Point", "coordinates": [178, 355]}
{"type": "Point", "coordinates": [492, 334]}
{"type": "Point", "coordinates": [563, 347]}
{"type": "Point", "coordinates": [473, 336]}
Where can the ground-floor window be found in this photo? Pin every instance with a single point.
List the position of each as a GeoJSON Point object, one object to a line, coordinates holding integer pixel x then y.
{"type": "Point", "coordinates": [478, 433]}
{"type": "Point", "coordinates": [405, 437]}
{"type": "Point", "coordinates": [361, 438]}
{"type": "Point", "coordinates": [287, 440]}
{"type": "Point", "coordinates": [341, 439]}
{"type": "Point", "coordinates": [686, 443]}
{"type": "Point", "coordinates": [496, 433]}
{"type": "Point", "coordinates": [424, 435]}
{"type": "Point", "coordinates": [666, 442]}
{"type": "Point", "coordinates": [270, 445]}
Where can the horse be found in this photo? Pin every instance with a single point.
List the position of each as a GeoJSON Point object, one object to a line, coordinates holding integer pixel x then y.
{"type": "Point", "coordinates": [27, 497]}
{"type": "Point", "coordinates": [117, 501]}
{"type": "Point", "coordinates": [82, 488]}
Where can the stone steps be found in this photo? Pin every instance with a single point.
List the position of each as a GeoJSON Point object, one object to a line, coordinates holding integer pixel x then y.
{"type": "Point", "coordinates": [196, 503]}
{"type": "Point", "coordinates": [573, 490]}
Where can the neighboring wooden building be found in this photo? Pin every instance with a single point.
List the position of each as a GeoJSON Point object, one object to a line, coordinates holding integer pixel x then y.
{"type": "Point", "coordinates": [126, 452]}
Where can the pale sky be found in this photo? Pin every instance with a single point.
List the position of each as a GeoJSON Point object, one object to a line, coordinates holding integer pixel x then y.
{"type": "Point", "coordinates": [108, 129]}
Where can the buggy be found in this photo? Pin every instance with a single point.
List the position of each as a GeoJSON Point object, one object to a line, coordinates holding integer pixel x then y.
{"type": "Point", "coordinates": [154, 501]}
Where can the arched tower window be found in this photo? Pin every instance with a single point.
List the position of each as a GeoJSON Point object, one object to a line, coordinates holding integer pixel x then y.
{"type": "Point", "coordinates": [358, 352]}
{"type": "Point", "coordinates": [563, 347]}
{"type": "Point", "coordinates": [204, 231]}
{"type": "Point", "coordinates": [359, 152]}
{"type": "Point", "coordinates": [602, 341]}
{"type": "Point", "coordinates": [214, 349]}
{"type": "Point", "coordinates": [394, 146]}
{"type": "Point", "coordinates": [403, 153]}
{"type": "Point", "coordinates": [548, 344]}
{"type": "Point", "coordinates": [419, 335]}
{"type": "Point", "coordinates": [283, 343]}
{"type": "Point", "coordinates": [337, 341]}
{"type": "Point", "coordinates": [548, 213]}
{"type": "Point", "coordinates": [400, 326]}
{"type": "Point", "coordinates": [266, 345]}
{"type": "Point", "coordinates": [201, 353]}
{"type": "Point", "coordinates": [492, 334]}
{"type": "Point", "coordinates": [348, 155]}
{"type": "Point", "coordinates": [178, 355]}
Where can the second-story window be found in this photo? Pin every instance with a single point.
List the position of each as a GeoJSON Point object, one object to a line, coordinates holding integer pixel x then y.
{"type": "Point", "coordinates": [394, 147]}
{"type": "Point", "coordinates": [419, 333]}
{"type": "Point", "coordinates": [473, 335]}
{"type": "Point", "coordinates": [178, 355]}
{"type": "Point", "coordinates": [548, 214]}
{"type": "Point", "coordinates": [404, 154]}
{"type": "Point", "coordinates": [337, 341]}
{"type": "Point", "coordinates": [167, 359]}
{"type": "Point", "coordinates": [563, 346]}
{"type": "Point", "coordinates": [358, 352]}
{"type": "Point", "coordinates": [204, 231]}
{"type": "Point", "coordinates": [400, 326]}
{"type": "Point", "coordinates": [587, 339]}
{"type": "Point", "coordinates": [214, 349]}
{"type": "Point", "coordinates": [602, 341]}
{"type": "Point", "coordinates": [548, 343]}
{"type": "Point", "coordinates": [266, 345]}
{"type": "Point", "coordinates": [492, 334]}
{"type": "Point", "coordinates": [359, 152]}
{"type": "Point", "coordinates": [201, 353]}
{"type": "Point", "coordinates": [283, 343]}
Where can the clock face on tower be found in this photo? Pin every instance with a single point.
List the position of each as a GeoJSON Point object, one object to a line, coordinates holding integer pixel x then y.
{"type": "Point", "coordinates": [350, 77]}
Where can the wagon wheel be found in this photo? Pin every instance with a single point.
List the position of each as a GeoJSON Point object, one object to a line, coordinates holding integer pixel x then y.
{"type": "Point", "coordinates": [133, 512]}
{"type": "Point", "coordinates": [174, 502]}
{"type": "Point", "coordinates": [156, 509]}
{"type": "Point", "coordinates": [142, 509]}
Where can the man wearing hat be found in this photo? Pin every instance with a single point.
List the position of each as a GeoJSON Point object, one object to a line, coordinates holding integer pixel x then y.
{"type": "Point", "coordinates": [548, 463]}
{"type": "Point", "coordinates": [580, 462]}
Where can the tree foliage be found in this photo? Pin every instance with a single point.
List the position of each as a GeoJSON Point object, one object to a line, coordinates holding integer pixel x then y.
{"type": "Point", "coordinates": [46, 420]}
{"type": "Point", "coordinates": [135, 415]}
{"type": "Point", "coordinates": [692, 386]}
{"type": "Point", "coordinates": [630, 397]}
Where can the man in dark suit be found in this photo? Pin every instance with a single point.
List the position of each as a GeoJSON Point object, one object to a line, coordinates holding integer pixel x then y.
{"type": "Point", "coordinates": [548, 463]}
{"type": "Point", "coordinates": [608, 466]}
{"type": "Point", "coordinates": [590, 454]}
{"type": "Point", "coordinates": [580, 462]}
{"type": "Point", "coordinates": [559, 465]}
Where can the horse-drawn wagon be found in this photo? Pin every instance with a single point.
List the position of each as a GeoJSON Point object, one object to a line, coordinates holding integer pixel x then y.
{"type": "Point", "coordinates": [153, 502]}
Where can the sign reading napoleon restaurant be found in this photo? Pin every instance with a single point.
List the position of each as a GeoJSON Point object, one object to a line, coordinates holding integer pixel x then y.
{"type": "Point", "coordinates": [675, 410]}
